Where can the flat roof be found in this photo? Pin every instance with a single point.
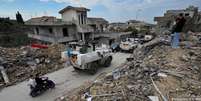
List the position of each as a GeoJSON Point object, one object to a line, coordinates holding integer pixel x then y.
{"type": "Point", "coordinates": [73, 8]}
{"type": "Point", "coordinates": [47, 21]}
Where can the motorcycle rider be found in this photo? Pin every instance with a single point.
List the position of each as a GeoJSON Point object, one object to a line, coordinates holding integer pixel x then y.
{"type": "Point", "coordinates": [39, 81]}
{"type": "Point", "coordinates": [42, 84]}
{"type": "Point", "coordinates": [31, 82]}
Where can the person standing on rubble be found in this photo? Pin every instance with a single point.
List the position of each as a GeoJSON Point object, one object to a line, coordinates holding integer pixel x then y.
{"type": "Point", "coordinates": [69, 51]}
{"type": "Point", "coordinates": [180, 22]}
{"type": "Point", "coordinates": [69, 54]}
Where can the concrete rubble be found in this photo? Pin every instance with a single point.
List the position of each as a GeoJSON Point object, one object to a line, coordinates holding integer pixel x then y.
{"type": "Point", "coordinates": [155, 72]}
{"type": "Point", "coordinates": [20, 63]}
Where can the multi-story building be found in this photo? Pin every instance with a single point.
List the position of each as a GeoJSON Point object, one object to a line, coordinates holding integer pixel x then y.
{"type": "Point", "coordinates": [73, 25]}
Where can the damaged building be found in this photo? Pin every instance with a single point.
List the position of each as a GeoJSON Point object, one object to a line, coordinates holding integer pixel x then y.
{"type": "Point", "coordinates": [122, 27]}
{"type": "Point", "coordinates": [99, 25]}
{"type": "Point", "coordinates": [117, 27]}
{"type": "Point", "coordinates": [192, 15]}
{"type": "Point", "coordinates": [74, 25]}
{"type": "Point", "coordinates": [51, 29]}
{"type": "Point", "coordinates": [140, 25]}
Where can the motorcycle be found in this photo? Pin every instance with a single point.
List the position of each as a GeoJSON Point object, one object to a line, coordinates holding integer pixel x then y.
{"type": "Point", "coordinates": [38, 90]}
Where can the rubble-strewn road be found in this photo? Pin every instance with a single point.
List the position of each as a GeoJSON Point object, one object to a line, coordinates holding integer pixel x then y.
{"type": "Point", "coordinates": [65, 79]}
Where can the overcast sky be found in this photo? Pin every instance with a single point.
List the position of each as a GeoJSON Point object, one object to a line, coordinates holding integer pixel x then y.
{"type": "Point", "coordinates": [112, 10]}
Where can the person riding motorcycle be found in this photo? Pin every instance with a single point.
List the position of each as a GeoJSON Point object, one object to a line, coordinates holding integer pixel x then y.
{"type": "Point", "coordinates": [32, 82]}
{"type": "Point", "coordinates": [39, 85]}
{"type": "Point", "coordinates": [39, 81]}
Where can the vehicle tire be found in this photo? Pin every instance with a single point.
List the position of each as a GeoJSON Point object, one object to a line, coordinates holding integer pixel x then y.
{"type": "Point", "coordinates": [131, 50]}
{"type": "Point", "coordinates": [33, 94]}
{"type": "Point", "coordinates": [108, 61]}
{"type": "Point", "coordinates": [51, 84]}
{"type": "Point", "coordinates": [76, 69]}
{"type": "Point", "coordinates": [122, 51]}
{"type": "Point", "coordinates": [93, 68]}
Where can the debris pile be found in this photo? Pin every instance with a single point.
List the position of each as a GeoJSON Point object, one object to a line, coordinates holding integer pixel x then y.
{"type": "Point", "coordinates": [182, 67]}
{"type": "Point", "coordinates": [130, 82]}
{"type": "Point", "coordinates": [21, 62]}
{"type": "Point", "coordinates": [154, 71]}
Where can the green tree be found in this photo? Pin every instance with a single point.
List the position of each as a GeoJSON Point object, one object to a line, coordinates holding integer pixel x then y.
{"type": "Point", "coordinates": [135, 32]}
{"type": "Point", "coordinates": [19, 18]}
{"type": "Point", "coordinates": [129, 29]}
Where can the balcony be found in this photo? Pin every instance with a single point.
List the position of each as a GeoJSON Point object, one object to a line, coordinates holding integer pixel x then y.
{"type": "Point", "coordinates": [51, 38]}
{"type": "Point", "coordinates": [84, 28]}
{"type": "Point", "coordinates": [65, 39]}
{"type": "Point", "coordinates": [111, 34]}
{"type": "Point", "coordinates": [42, 38]}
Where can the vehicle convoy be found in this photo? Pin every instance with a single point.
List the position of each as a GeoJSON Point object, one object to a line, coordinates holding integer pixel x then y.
{"type": "Point", "coordinates": [90, 61]}
{"type": "Point", "coordinates": [47, 84]}
{"type": "Point", "coordinates": [129, 44]}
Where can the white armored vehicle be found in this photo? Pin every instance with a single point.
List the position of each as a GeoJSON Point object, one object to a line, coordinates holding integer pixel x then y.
{"type": "Point", "coordinates": [90, 61]}
{"type": "Point", "coordinates": [129, 44]}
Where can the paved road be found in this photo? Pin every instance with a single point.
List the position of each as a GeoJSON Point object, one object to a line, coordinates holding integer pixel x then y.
{"type": "Point", "coordinates": [66, 79]}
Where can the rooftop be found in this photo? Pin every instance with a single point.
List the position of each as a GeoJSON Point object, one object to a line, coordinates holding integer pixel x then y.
{"type": "Point", "coordinates": [80, 9]}
{"type": "Point", "coordinates": [47, 21]}
{"type": "Point", "coordinates": [133, 21]}
{"type": "Point", "coordinates": [94, 20]}
{"type": "Point", "coordinates": [190, 8]}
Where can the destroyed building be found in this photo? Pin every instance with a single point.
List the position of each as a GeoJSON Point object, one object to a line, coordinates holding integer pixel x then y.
{"type": "Point", "coordinates": [117, 27]}
{"type": "Point", "coordinates": [99, 25]}
{"type": "Point", "coordinates": [51, 29]}
{"type": "Point", "coordinates": [192, 15]}
{"type": "Point", "coordinates": [73, 25]}
{"type": "Point", "coordinates": [140, 25]}
{"type": "Point", "coordinates": [121, 27]}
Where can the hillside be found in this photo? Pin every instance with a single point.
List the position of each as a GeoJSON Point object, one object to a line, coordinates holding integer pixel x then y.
{"type": "Point", "coordinates": [12, 34]}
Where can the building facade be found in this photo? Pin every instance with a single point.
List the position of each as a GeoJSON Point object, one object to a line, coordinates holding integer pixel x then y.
{"type": "Point", "coordinates": [192, 15]}
{"type": "Point", "coordinates": [99, 25]}
{"type": "Point", "coordinates": [117, 27]}
{"type": "Point", "coordinates": [73, 26]}
{"type": "Point", "coordinates": [140, 25]}
{"type": "Point", "coordinates": [52, 30]}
